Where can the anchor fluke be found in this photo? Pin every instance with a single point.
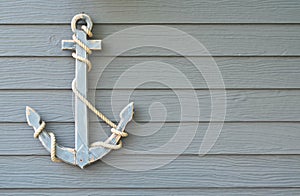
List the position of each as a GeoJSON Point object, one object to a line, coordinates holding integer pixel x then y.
{"type": "Point", "coordinates": [125, 116]}
{"type": "Point", "coordinates": [33, 119]}
{"type": "Point", "coordinates": [97, 151]}
{"type": "Point", "coordinates": [127, 113]}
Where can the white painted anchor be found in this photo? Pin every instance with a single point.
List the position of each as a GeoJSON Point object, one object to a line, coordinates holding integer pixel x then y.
{"type": "Point", "coordinates": [83, 154]}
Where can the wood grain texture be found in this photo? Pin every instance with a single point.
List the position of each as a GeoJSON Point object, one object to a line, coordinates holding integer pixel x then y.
{"type": "Point", "coordinates": [237, 72]}
{"type": "Point", "coordinates": [235, 138]}
{"type": "Point", "coordinates": [193, 172]}
{"type": "Point", "coordinates": [256, 46]}
{"type": "Point", "coordinates": [219, 40]}
{"type": "Point", "coordinates": [164, 192]}
{"type": "Point", "coordinates": [157, 105]}
{"type": "Point", "coordinates": [34, 11]}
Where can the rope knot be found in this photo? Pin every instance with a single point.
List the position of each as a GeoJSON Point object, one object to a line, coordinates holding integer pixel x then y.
{"type": "Point", "coordinates": [117, 132]}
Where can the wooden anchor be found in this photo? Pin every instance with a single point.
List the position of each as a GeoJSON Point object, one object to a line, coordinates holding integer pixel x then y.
{"type": "Point", "coordinates": [83, 154]}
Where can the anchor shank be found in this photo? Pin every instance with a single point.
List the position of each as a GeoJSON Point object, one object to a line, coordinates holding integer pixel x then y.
{"type": "Point", "coordinates": [81, 111]}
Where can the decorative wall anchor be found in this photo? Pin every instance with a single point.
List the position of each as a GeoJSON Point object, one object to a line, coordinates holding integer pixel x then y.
{"type": "Point", "coordinates": [83, 154]}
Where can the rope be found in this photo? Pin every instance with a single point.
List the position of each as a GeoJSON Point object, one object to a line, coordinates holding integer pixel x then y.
{"type": "Point", "coordinates": [81, 44]}
{"type": "Point", "coordinates": [90, 106]}
{"type": "Point", "coordinates": [86, 61]}
{"type": "Point", "coordinates": [85, 101]}
{"type": "Point", "coordinates": [53, 148]}
{"type": "Point", "coordinates": [87, 30]}
{"type": "Point", "coordinates": [38, 131]}
{"type": "Point", "coordinates": [84, 46]}
{"type": "Point", "coordinates": [122, 134]}
{"type": "Point", "coordinates": [103, 117]}
{"type": "Point", "coordinates": [111, 146]}
{"type": "Point", "coordinates": [36, 134]}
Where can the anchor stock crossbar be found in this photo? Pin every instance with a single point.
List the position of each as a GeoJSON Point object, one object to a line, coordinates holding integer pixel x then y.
{"type": "Point", "coordinates": [82, 154]}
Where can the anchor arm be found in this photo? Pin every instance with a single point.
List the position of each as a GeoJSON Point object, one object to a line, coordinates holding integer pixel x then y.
{"type": "Point", "coordinates": [65, 154]}
{"type": "Point", "coordinates": [126, 115]}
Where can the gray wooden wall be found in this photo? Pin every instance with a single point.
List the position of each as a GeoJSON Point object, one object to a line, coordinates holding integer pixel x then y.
{"type": "Point", "coordinates": [256, 45]}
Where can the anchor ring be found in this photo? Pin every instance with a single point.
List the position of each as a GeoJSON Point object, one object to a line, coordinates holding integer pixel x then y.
{"type": "Point", "coordinates": [84, 17]}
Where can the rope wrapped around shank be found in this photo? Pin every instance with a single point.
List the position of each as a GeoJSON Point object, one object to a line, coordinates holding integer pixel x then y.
{"type": "Point", "coordinates": [103, 117]}
{"type": "Point", "coordinates": [87, 30]}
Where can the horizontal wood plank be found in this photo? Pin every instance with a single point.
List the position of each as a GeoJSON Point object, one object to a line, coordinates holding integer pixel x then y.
{"type": "Point", "coordinates": [256, 45]}
{"type": "Point", "coordinates": [237, 72]}
{"type": "Point", "coordinates": [219, 40]}
{"type": "Point", "coordinates": [158, 105]}
{"type": "Point", "coordinates": [158, 11]}
{"type": "Point", "coordinates": [235, 138]}
{"type": "Point", "coordinates": [185, 171]}
{"type": "Point", "coordinates": [163, 192]}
